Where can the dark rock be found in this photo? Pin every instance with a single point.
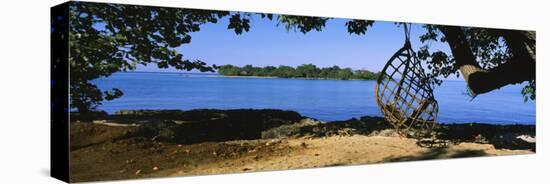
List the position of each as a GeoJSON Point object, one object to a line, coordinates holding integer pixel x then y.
{"type": "Point", "coordinates": [290, 130]}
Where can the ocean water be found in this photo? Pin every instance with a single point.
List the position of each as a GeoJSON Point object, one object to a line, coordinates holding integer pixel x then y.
{"type": "Point", "coordinates": [325, 100]}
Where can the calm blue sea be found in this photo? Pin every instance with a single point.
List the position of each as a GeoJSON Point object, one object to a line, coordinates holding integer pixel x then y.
{"type": "Point", "coordinates": [325, 100]}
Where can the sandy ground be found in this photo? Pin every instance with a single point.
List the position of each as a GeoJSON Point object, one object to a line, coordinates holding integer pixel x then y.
{"type": "Point", "coordinates": [128, 158]}
{"type": "Point", "coordinates": [215, 142]}
{"type": "Point", "coordinates": [339, 151]}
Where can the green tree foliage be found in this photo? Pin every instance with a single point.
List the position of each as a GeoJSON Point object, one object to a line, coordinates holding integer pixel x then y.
{"type": "Point", "coordinates": [309, 71]}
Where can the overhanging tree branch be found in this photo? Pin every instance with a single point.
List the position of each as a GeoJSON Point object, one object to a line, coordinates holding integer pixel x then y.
{"type": "Point", "coordinates": [519, 68]}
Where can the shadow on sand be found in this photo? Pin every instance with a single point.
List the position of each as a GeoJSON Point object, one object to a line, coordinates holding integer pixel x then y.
{"type": "Point", "coordinates": [438, 153]}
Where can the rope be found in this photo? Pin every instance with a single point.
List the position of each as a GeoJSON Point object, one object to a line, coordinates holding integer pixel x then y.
{"type": "Point", "coordinates": [407, 30]}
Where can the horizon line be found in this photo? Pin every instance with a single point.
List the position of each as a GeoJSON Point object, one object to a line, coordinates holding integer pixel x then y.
{"type": "Point", "coordinates": [216, 73]}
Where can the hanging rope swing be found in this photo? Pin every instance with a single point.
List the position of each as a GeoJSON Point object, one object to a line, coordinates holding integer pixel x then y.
{"type": "Point", "coordinates": [404, 95]}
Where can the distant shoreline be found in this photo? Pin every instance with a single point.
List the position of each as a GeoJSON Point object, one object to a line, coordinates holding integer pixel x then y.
{"type": "Point", "coordinates": [299, 78]}
{"type": "Point", "coordinates": [253, 77]}
{"type": "Point", "coordinates": [205, 73]}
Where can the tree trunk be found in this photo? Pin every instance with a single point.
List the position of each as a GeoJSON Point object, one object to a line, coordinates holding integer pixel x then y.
{"type": "Point", "coordinates": [520, 68]}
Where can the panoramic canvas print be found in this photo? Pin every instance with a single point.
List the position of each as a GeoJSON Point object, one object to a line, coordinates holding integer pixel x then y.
{"type": "Point", "coordinates": [159, 91]}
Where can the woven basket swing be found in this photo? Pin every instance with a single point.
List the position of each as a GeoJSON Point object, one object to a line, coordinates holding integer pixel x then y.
{"type": "Point", "coordinates": [404, 94]}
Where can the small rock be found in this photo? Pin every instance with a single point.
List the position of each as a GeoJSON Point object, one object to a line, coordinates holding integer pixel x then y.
{"type": "Point", "coordinates": [155, 168]}
{"type": "Point", "coordinates": [138, 172]}
{"type": "Point", "coordinates": [386, 133]}
{"type": "Point", "coordinates": [99, 121]}
{"type": "Point", "coordinates": [155, 138]}
{"type": "Point", "coordinates": [179, 145]}
{"type": "Point", "coordinates": [527, 138]}
{"type": "Point", "coordinates": [480, 139]}
{"type": "Point", "coordinates": [214, 153]}
{"type": "Point", "coordinates": [187, 151]}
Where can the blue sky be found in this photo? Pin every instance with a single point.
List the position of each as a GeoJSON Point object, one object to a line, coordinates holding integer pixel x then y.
{"type": "Point", "coordinates": [269, 44]}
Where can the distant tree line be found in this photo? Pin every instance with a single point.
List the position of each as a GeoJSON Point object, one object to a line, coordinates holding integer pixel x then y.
{"type": "Point", "coordinates": [302, 71]}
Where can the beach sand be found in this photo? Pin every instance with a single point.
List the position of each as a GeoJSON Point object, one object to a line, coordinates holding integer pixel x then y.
{"type": "Point", "coordinates": [108, 151]}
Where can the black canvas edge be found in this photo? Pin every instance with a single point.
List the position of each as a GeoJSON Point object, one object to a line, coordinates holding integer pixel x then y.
{"type": "Point", "coordinates": [59, 88]}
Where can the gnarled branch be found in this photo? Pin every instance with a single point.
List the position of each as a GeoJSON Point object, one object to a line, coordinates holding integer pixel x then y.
{"type": "Point", "coordinates": [520, 67]}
